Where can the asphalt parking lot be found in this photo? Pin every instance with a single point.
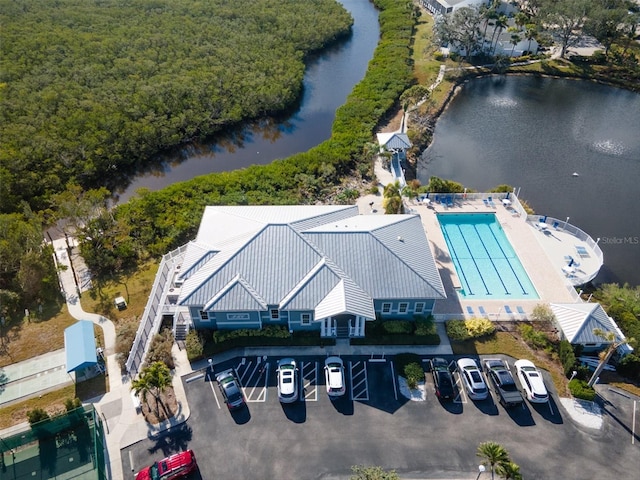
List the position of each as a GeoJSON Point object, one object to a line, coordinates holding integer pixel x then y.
{"type": "Point", "coordinates": [374, 424]}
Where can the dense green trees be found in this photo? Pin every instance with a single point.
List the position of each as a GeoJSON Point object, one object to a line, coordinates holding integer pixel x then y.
{"type": "Point", "coordinates": [153, 223]}
{"type": "Point", "coordinates": [92, 89]}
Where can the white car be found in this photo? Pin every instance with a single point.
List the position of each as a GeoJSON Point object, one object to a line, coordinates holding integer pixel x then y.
{"type": "Point", "coordinates": [334, 376]}
{"type": "Point", "coordinates": [531, 381]}
{"type": "Point", "coordinates": [287, 377]}
{"type": "Point", "coordinates": [472, 379]}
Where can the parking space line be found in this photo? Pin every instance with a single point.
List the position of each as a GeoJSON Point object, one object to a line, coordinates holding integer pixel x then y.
{"type": "Point", "coordinates": [364, 395]}
{"type": "Point", "coordinates": [213, 390]}
{"type": "Point", "coordinates": [260, 384]}
{"type": "Point", "coordinates": [462, 395]}
{"type": "Point", "coordinates": [393, 380]}
{"type": "Point", "coordinates": [309, 380]}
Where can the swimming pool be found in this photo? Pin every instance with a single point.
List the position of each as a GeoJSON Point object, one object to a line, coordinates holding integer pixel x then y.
{"type": "Point", "coordinates": [487, 265]}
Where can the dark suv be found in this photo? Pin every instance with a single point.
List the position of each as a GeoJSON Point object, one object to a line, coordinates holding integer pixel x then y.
{"type": "Point", "coordinates": [230, 389]}
{"type": "Point", "coordinates": [442, 378]}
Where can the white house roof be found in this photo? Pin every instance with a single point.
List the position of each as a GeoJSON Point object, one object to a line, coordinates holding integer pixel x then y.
{"type": "Point", "coordinates": [323, 258]}
{"type": "Point", "coordinates": [394, 141]}
{"type": "Point", "coordinates": [577, 321]}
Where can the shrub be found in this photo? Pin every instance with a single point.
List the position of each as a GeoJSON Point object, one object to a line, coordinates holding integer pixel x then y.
{"type": "Point", "coordinates": [160, 350]}
{"type": "Point", "coordinates": [273, 331]}
{"type": "Point", "coordinates": [466, 329]}
{"type": "Point", "coordinates": [194, 345]}
{"type": "Point", "coordinates": [581, 389]}
{"type": "Point", "coordinates": [37, 415]}
{"type": "Point", "coordinates": [535, 339]}
{"type": "Point", "coordinates": [414, 374]}
{"type": "Point", "coordinates": [72, 404]}
{"type": "Point", "coordinates": [398, 326]}
{"type": "Point", "coordinates": [629, 367]}
{"type": "Point", "coordinates": [124, 339]}
{"type": "Point", "coordinates": [425, 326]}
{"type": "Point", "coordinates": [401, 360]}
{"type": "Point", "coordinates": [567, 357]}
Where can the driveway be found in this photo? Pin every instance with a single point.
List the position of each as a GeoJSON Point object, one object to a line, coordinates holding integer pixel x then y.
{"type": "Point", "coordinates": [374, 424]}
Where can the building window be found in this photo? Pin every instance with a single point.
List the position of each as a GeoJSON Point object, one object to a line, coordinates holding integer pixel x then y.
{"type": "Point", "coordinates": [237, 316]}
{"type": "Point", "coordinates": [386, 307]}
{"type": "Point", "coordinates": [419, 307]}
{"type": "Point", "coordinates": [402, 308]}
{"type": "Point", "coordinates": [204, 315]}
{"type": "Point", "coordinates": [275, 314]}
{"type": "Point", "coordinates": [305, 319]}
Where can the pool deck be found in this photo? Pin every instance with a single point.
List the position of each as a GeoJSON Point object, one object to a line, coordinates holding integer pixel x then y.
{"type": "Point", "coordinates": [541, 252]}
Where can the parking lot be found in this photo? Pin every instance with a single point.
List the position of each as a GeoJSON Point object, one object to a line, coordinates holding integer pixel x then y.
{"type": "Point", "coordinates": [374, 424]}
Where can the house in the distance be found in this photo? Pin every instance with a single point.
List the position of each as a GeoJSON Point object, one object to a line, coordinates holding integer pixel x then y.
{"type": "Point", "coordinates": [447, 6]}
{"type": "Point", "coordinates": [323, 268]}
{"type": "Point", "coordinates": [577, 321]}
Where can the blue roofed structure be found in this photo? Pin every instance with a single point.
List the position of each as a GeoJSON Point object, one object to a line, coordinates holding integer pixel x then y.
{"type": "Point", "coordinates": [80, 346]}
{"type": "Point", "coordinates": [324, 268]}
{"type": "Point", "coordinates": [577, 321]}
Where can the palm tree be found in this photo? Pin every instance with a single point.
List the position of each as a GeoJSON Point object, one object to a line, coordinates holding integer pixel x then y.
{"type": "Point", "coordinates": [515, 39]}
{"type": "Point", "coordinates": [153, 379]}
{"type": "Point", "coordinates": [509, 471]}
{"type": "Point", "coordinates": [492, 454]}
{"type": "Point", "coordinates": [606, 355]}
{"type": "Point", "coordinates": [530, 33]}
{"type": "Point", "coordinates": [501, 22]}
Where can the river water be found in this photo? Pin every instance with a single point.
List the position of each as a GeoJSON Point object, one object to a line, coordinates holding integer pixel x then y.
{"type": "Point", "coordinates": [329, 78]}
{"type": "Point", "coordinates": [534, 133]}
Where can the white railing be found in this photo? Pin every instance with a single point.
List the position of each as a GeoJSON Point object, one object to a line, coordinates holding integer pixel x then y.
{"type": "Point", "coordinates": [573, 230]}
{"type": "Point", "coordinates": [152, 316]}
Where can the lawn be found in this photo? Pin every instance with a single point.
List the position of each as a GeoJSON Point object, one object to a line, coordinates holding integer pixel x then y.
{"type": "Point", "coordinates": [39, 336]}
{"type": "Point", "coordinates": [52, 402]}
{"type": "Point", "coordinates": [510, 344]}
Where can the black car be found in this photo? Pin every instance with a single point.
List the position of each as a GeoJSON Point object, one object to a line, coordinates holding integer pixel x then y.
{"type": "Point", "coordinates": [230, 389]}
{"type": "Point", "coordinates": [442, 378]}
{"type": "Point", "coordinates": [501, 380]}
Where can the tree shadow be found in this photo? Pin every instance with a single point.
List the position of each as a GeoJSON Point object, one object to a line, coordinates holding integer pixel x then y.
{"type": "Point", "coordinates": [173, 440]}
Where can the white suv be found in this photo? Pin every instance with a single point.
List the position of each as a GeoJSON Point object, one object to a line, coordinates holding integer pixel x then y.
{"type": "Point", "coordinates": [531, 381]}
{"type": "Point", "coordinates": [334, 376]}
{"type": "Point", "coordinates": [472, 379]}
{"type": "Point", "coordinates": [287, 380]}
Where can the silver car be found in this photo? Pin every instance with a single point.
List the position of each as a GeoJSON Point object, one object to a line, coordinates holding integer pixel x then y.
{"type": "Point", "coordinates": [287, 378]}
{"type": "Point", "coordinates": [472, 379]}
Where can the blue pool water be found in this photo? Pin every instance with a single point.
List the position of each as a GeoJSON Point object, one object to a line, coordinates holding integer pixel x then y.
{"type": "Point", "coordinates": [487, 265]}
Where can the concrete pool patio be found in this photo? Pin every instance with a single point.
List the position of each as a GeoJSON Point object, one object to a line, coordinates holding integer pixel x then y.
{"type": "Point", "coordinates": [541, 250]}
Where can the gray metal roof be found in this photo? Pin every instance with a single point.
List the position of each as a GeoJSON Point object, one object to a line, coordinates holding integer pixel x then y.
{"type": "Point", "coordinates": [389, 260]}
{"type": "Point", "coordinates": [331, 260]}
{"type": "Point", "coordinates": [577, 321]}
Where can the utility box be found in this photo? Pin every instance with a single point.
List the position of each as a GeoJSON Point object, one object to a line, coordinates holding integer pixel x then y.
{"type": "Point", "coordinates": [121, 303]}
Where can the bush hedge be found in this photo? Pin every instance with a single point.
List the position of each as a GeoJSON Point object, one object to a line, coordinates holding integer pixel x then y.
{"type": "Point", "coordinates": [581, 389]}
{"type": "Point", "coordinates": [271, 336]}
{"type": "Point", "coordinates": [461, 330]}
{"type": "Point", "coordinates": [420, 331]}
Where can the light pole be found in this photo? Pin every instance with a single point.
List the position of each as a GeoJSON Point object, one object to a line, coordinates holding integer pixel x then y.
{"type": "Point", "coordinates": [573, 375]}
{"type": "Point", "coordinates": [565, 223]}
{"type": "Point", "coordinates": [481, 470]}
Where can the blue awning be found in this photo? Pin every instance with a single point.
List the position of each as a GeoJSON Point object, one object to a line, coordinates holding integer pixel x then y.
{"type": "Point", "coordinates": [80, 346]}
